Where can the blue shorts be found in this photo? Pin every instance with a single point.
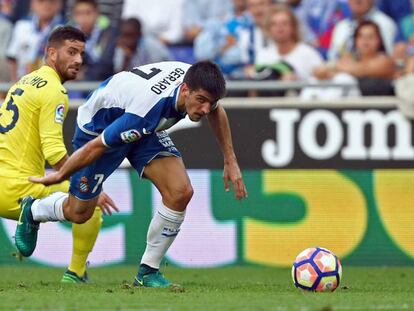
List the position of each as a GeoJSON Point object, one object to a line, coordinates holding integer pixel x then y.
{"type": "Point", "coordinates": [87, 183]}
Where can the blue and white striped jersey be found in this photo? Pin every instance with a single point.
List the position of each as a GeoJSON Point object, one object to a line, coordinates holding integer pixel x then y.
{"type": "Point", "coordinates": [134, 103]}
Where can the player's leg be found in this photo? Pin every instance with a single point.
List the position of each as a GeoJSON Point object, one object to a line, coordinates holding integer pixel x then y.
{"type": "Point", "coordinates": [87, 184]}
{"type": "Point", "coordinates": [170, 177]}
{"type": "Point", "coordinates": [10, 198]}
{"type": "Point", "coordinates": [84, 238]}
{"type": "Point", "coordinates": [157, 159]}
{"type": "Point", "coordinates": [84, 235]}
{"type": "Point", "coordinates": [50, 208]}
{"type": "Point", "coordinates": [77, 207]}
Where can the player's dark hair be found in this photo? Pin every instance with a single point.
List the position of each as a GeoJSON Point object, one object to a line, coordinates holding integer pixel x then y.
{"type": "Point", "coordinates": [207, 76]}
{"type": "Point", "coordinates": [62, 33]}
{"type": "Point", "coordinates": [90, 2]}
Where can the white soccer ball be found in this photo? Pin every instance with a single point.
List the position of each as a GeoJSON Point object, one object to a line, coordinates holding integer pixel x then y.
{"type": "Point", "coordinates": [317, 269]}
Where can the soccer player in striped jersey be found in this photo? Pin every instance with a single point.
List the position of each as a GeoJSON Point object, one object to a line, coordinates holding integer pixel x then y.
{"type": "Point", "coordinates": [126, 117]}
{"type": "Point", "coordinates": [31, 120]}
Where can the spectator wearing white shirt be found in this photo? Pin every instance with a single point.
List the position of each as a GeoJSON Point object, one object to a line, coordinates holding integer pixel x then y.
{"type": "Point", "coordinates": [290, 56]}
{"type": "Point", "coordinates": [162, 19]}
{"type": "Point", "coordinates": [227, 42]}
{"type": "Point", "coordinates": [361, 10]}
{"type": "Point", "coordinates": [198, 13]}
{"type": "Point", "coordinates": [258, 10]}
{"type": "Point", "coordinates": [28, 41]}
{"type": "Point", "coordinates": [233, 43]}
{"type": "Point", "coordinates": [319, 18]}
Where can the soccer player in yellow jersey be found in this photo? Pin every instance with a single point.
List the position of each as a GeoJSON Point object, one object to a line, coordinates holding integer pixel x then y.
{"type": "Point", "coordinates": [31, 120]}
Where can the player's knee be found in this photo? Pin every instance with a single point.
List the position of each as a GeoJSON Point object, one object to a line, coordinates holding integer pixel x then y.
{"type": "Point", "coordinates": [179, 197]}
{"type": "Point", "coordinates": [79, 218]}
{"type": "Point", "coordinates": [78, 212]}
{"type": "Point", "coordinates": [189, 193]}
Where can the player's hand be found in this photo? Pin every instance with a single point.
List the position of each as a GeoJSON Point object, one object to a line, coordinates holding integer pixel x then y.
{"type": "Point", "coordinates": [50, 179]}
{"type": "Point", "coordinates": [232, 174]}
{"type": "Point", "coordinates": [106, 204]}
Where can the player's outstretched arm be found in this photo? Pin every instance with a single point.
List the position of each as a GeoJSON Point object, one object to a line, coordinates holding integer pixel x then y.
{"type": "Point", "coordinates": [60, 163]}
{"type": "Point", "coordinates": [105, 202]}
{"type": "Point", "coordinates": [220, 124]}
{"type": "Point", "coordinates": [79, 159]}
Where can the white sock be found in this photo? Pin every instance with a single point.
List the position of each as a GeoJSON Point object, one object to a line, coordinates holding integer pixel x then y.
{"type": "Point", "coordinates": [49, 208]}
{"type": "Point", "coordinates": [162, 231]}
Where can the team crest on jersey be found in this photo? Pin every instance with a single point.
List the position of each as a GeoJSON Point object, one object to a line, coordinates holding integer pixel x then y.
{"type": "Point", "coordinates": [60, 114]}
{"type": "Point", "coordinates": [130, 136]}
{"type": "Point", "coordinates": [83, 185]}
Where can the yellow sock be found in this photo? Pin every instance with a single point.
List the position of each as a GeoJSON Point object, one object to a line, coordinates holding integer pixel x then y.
{"type": "Point", "coordinates": [84, 237]}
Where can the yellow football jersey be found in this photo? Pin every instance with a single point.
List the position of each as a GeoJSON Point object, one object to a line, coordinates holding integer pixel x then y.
{"type": "Point", "coordinates": [31, 121]}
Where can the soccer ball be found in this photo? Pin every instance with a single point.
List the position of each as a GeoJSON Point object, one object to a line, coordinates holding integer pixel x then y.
{"type": "Point", "coordinates": [317, 269]}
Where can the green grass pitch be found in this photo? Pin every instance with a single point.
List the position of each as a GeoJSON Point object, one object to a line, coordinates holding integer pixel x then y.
{"type": "Point", "coordinates": [238, 288]}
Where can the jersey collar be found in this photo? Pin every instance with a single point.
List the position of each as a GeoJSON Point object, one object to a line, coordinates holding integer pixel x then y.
{"type": "Point", "coordinates": [175, 95]}
{"type": "Point", "coordinates": [51, 71]}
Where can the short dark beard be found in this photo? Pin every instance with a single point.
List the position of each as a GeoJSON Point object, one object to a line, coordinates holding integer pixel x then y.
{"type": "Point", "coordinates": [61, 71]}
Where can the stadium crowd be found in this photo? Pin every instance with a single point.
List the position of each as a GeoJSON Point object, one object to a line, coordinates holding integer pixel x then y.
{"type": "Point", "coordinates": [368, 42]}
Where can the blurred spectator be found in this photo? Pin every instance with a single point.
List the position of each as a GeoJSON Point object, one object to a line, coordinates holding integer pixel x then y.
{"type": "Point", "coordinates": [234, 43]}
{"type": "Point", "coordinates": [402, 54]}
{"type": "Point", "coordinates": [404, 91]}
{"type": "Point", "coordinates": [409, 65]}
{"type": "Point", "coordinates": [6, 8]}
{"type": "Point", "coordinates": [19, 9]}
{"type": "Point", "coordinates": [5, 34]}
{"type": "Point", "coordinates": [404, 57]}
{"type": "Point", "coordinates": [238, 8]}
{"type": "Point", "coordinates": [361, 10]}
{"type": "Point", "coordinates": [160, 18]}
{"type": "Point", "coordinates": [319, 18]}
{"type": "Point", "coordinates": [29, 37]}
{"type": "Point", "coordinates": [112, 9]}
{"type": "Point", "coordinates": [258, 10]}
{"type": "Point", "coordinates": [259, 43]}
{"type": "Point", "coordinates": [407, 27]}
{"type": "Point", "coordinates": [369, 58]}
{"type": "Point", "coordinates": [397, 10]}
{"type": "Point", "coordinates": [291, 59]}
{"type": "Point", "coordinates": [134, 49]}
{"type": "Point", "coordinates": [200, 12]}
{"type": "Point", "coordinates": [224, 41]}
{"type": "Point", "coordinates": [404, 49]}
{"type": "Point", "coordinates": [100, 40]}
{"type": "Point", "coordinates": [369, 64]}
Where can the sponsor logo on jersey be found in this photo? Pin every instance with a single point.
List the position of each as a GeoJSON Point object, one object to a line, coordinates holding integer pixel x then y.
{"type": "Point", "coordinates": [60, 114]}
{"type": "Point", "coordinates": [130, 136]}
{"type": "Point", "coordinates": [83, 185]}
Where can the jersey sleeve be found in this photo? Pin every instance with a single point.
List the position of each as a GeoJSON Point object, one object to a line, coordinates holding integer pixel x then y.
{"type": "Point", "coordinates": [53, 109]}
{"type": "Point", "coordinates": [126, 129]}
